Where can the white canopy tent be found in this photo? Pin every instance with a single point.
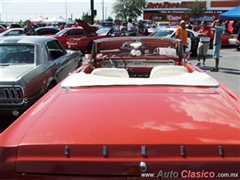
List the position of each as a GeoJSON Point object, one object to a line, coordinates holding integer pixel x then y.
{"type": "Point", "coordinates": [55, 21]}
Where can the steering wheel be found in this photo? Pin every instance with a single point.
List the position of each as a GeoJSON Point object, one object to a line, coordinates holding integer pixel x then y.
{"type": "Point", "coordinates": [115, 63]}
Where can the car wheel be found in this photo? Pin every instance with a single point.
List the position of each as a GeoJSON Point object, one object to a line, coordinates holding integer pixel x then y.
{"type": "Point", "coordinates": [238, 48]}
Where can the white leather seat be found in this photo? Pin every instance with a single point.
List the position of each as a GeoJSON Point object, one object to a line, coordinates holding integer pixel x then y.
{"type": "Point", "coordinates": [167, 71]}
{"type": "Point", "coordinates": [111, 72]}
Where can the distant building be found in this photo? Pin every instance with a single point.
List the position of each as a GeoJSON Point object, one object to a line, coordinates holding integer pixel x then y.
{"type": "Point", "coordinates": [173, 11]}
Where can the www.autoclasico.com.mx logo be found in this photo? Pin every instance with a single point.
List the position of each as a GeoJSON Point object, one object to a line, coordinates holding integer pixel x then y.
{"type": "Point", "coordinates": [189, 174]}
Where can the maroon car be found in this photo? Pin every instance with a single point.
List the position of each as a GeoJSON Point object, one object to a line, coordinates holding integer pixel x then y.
{"type": "Point", "coordinates": [2, 29]}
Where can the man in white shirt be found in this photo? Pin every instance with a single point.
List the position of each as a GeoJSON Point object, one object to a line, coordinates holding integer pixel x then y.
{"type": "Point", "coordinates": [130, 25]}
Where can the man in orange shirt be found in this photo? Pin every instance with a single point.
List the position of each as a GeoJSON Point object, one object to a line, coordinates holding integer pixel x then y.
{"type": "Point", "coordinates": [181, 33]}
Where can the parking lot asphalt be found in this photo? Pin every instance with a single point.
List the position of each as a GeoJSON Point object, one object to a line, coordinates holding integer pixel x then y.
{"type": "Point", "coordinates": [229, 67]}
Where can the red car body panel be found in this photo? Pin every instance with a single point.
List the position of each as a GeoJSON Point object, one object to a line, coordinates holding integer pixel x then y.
{"type": "Point", "coordinates": [83, 43]}
{"type": "Point", "coordinates": [105, 132]}
{"type": "Point", "coordinates": [40, 133]}
{"type": "Point", "coordinates": [85, 26]}
{"type": "Point", "coordinates": [64, 39]}
{"type": "Point", "coordinates": [87, 37]}
{"type": "Point", "coordinates": [3, 28]}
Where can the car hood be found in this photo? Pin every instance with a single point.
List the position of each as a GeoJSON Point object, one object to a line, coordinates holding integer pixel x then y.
{"type": "Point", "coordinates": [11, 72]}
{"type": "Point", "coordinates": [86, 27]}
{"type": "Point", "coordinates": [109, 131]}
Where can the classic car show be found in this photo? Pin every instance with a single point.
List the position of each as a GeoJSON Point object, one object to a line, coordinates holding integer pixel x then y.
{"type": "Point", "coordinates": [124, 73]}
{"type": "Point", "coordinates": [119, 90]}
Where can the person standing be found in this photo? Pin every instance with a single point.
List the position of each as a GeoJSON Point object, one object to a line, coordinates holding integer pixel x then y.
{"type": "Point", "coordinates": [130, 28]}
{"type": "Point", "coordinates": [181, 33]}
{"type": "Point", "coordinates": [196, 27]}
{"type": "Point", "coordinates": [61, 27]}
{"type": "Point", "coordinates": [189, 25]}
{"type": "Point", "coordinates": [225, 26]}
{"type": "Point", "coordinates": [29, 29]}
{"type": "Point", "coordinates": [235, 27]}
{"type": "Point", "coordinates": [217, 42]}
{"type": "Point", "coordinates": [203, 45]}
{"type": "Point", "coordinates": [75, 24]}
{"type": "Point", "coordinates": [141, 27]}
{"type": "Point", "coordinates": [130, 25]}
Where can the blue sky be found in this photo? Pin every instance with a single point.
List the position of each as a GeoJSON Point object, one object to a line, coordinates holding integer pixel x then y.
{"type": "Point", "coordinates": [15, 10]}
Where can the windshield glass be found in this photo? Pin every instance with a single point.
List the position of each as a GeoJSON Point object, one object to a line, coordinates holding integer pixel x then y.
{"type": "Point", "coordinates": [162, 33]}
{"type": "Point", "coordinates": [60, 33]}
{"type": "Point", "coordinates": [164, 25]}
{"type": "Point", "coordinates": [15, 54]}
{"type": "Point", "coordinates": [107, 24]}
{"type": "Point", "coordinates": [103, 31]}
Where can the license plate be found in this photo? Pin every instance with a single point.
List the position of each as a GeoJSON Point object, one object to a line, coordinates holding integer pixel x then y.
{"type": "Point", "coordinates": [69, 46]}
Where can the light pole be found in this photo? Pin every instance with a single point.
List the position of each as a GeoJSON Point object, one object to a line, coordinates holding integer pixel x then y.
{"type": "Point", "coordinates": [106, 12]}
{"type": "Point", "coordinates": [66, 8]}
{"type": "Point", "coordinates": [1, 10]}
{"type": "Point", "coordinates": [92, 12]}
{"type": "Point", "coordinates": [103, 10]}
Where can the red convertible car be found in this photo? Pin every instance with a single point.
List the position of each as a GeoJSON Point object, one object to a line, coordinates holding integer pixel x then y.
{"type": "Point", "coordinates": [135, 109]}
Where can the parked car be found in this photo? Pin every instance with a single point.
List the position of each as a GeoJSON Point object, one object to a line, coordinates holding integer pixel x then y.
{"type": "Point", "coordinates": [134, 108]}
{"type": "Point", "coordinates": [163, 24]}
{"type": "Point", "coordinates": [2, 29]}
{"type": "Point", "coordinates": [12, 32]}
{"type": "Point", "coordinates": [14, 26]}
{"type": "Point", "coordinates": [193, 38]}
{"type": "Point", "coordinates": [105, 31]}
{"type": "Point", "coordinates": [84, 42]}
{"type": "Point", "coordinates": [107, 24]}
{"type": "Point", "coordinates": [232, 41]}
{"type": "Point", "coordinates": [4, 25]}
{"type": "Point", "coordinates": [30, 66]}
{"type": "Point", "coordinates": [20, 31]}
{"type": "Point", "coordinates": [95, 28]}
{"type": "Point", "coordinates": [46, 30]}
{"type": "Point", "coordinates": [225, 37]}
{"type": "Point", "coordinates": [67, 33]}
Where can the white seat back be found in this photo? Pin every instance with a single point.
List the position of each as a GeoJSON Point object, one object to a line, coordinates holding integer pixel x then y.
{"type": "Point", "coordinates": [111, 72]}
{"type": "Point", "coordinates": [166, 71]}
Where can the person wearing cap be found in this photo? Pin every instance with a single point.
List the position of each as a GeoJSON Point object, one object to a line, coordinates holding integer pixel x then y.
{"type": "Point", "coordinates": [217, 40]}
{"type": "Point", "coordinates": [181, 33]}
{"type": "Point", "coordinates": [203, 45]}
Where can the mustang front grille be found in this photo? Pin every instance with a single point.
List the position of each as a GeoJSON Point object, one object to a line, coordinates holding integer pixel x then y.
{"type": "Point", "coordinates": [12, 95]}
